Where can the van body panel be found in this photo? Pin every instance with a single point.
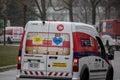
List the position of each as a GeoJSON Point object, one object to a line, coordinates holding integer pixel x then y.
{"type": "Point", "coordinates": [34, 56]}
{"type": "Point", "coordinates": [62, 50]}
{"type": "Point", "coordinates": [59, 60]}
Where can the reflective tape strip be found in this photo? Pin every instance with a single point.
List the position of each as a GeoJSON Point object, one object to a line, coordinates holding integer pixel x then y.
{"type": "Point", "coordinates": [25, 72]}
{"type": "Point", "coordinates": [66, 74]}
{"type": "Point", "coordinates": [61, 74]}
{"type": "Point", "coordinates": [42, 73]}
{"type": "Point", "coordinates": [31, 73]}
{"type": "Point", "coordinates": [58, 74]}
{"type": "Point", "coordinates": [35, 73]}
{"type": "Point", "coordinates": [55, 74]}
{"type": "Point", "coordinates": [39, 73]}
{"type": "Point", "coordinates": [50, 73]}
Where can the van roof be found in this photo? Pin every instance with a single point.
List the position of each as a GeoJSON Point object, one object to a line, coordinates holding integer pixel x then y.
{"type": "Point", "coordinates": [64, 22]}
{"type": "Point", "coordinates": [77, 26]}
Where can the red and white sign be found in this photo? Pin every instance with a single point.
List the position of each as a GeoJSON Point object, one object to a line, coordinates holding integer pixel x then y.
{"type": "Point", "coordinates": [60, 27]}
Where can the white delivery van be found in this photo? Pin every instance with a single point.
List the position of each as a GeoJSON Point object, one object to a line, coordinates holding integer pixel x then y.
{"type": "Point", "coordinates": [12, 34]}
{"type": "Point", "coordinates": [62, 51]}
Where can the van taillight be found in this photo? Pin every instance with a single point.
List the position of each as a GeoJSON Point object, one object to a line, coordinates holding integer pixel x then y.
{"type": "Point", "coordinates": [19, 62]}
{"type": "Point", "coordinates": [19, 58]}
{"type": "Point", "coordinates": [18, 66]}
{"type": "Point", "coordinates": [75, 65]}
{"type": "Point", "coordinates": [75, 60]}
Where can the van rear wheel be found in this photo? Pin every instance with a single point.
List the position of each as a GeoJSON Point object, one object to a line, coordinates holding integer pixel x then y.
{"type": "Point", "coordinates": [84, 75]}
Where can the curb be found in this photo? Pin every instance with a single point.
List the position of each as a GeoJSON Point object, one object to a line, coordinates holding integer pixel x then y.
{"type": "Point", "coordinates": [6, 68]}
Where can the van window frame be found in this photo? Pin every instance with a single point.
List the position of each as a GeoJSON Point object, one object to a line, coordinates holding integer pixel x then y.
{"type": "Point", "coordinates": [49, 46]}
{"type": "Point", "coordinates": [101, 49]}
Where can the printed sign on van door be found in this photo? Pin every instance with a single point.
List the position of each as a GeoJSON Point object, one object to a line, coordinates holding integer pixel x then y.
{"type": "Point", "coordinates": [37, 39]}
{"type": "Point", "coordinates": [57, 40]}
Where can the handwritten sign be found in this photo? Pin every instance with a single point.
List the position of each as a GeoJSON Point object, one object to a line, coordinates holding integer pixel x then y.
{"type": "Point", "coordinates": [37, 39]}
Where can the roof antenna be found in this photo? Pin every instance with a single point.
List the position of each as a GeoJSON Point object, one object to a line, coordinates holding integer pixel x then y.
{"type": "Point", "coordinates": [43, 22]}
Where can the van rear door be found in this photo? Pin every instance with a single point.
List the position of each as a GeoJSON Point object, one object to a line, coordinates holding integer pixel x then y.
{"type": "Point", "coordinates": [34, 57]}
{"type": "Point", "coordinates": [59, 57]}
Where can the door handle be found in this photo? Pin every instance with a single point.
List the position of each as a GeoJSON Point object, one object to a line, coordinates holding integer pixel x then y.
{"type": "Point", "coordinates": [98, 60]}
{"type": "Point", "coordinates": [53, 57]}
{"type": "Point", "coordinates": [66, 58]}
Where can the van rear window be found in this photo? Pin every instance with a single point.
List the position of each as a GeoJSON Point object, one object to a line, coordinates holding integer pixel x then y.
{"type": "Point", "coordinates": [51, 44]}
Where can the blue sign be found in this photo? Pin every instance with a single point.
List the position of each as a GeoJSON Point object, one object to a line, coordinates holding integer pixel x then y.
{"type": "Point", "coordinates": [57, 40]}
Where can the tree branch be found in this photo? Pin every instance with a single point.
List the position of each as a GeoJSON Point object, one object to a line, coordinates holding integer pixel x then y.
{"type": "Point", "coordinates": [97, 2]}
{"type": "Point", "coordinates": [55, 8]}
{"type": "Point", "coordinates": [38, 7]}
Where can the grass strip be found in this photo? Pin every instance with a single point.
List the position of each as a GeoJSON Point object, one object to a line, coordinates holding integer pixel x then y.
{"type": "Point", "coordinates": [8, 55]}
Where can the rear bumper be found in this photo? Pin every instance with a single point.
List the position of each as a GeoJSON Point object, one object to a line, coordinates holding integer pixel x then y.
{"type": "Point", "coordinates": [19, 76]}
{"type": "Point", "coordinates": [42, 77]}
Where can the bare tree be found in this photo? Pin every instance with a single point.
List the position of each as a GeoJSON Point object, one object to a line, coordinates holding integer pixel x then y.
{"type": "Point", "coordinates": [84, 11]}
{"type": "Point", "coordinates": [111, 9]}
{"type": "Point", "coordinates": [3, 6]}
{"type": "Point", "coordinates": [69, 3]}
{"type": "Point", "coordinates": [94, 4]}
{"type": "Point", "coordinates": [107, 9]}
{"type": "Point", "coordinates": [42, 8]}
{"type": "Point", "coordinates": [116, 5]}
{"type": "Point", "coordinates": [66, 4]}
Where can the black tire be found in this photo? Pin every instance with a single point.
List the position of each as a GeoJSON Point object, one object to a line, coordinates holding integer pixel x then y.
{"type": "Point", "coordinates": [9, 41]}
{"type": "Point", "coordinates": [84, 75]}
{"type": "Point", "coordinates": [109, 75]}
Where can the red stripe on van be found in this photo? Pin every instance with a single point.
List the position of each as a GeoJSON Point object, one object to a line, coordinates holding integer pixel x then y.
{"type": "Point", "coordinates": [55, 73]}
{"type": "Point", "coordinates": [50, 73]}
{"type": "Point", "coordinates": [21, 42]}
{"type": "Point", "coordinates": [42, 73]}
{"type": "Point", "coordinates": [25, 72]}
{"type": "Point", "coordinates": [61, 74]}
{"type": "Point", "coordinates": [79, 46]}
{"type": "Point", "coordinates": [67, 74]}
{"type": "Point", "coordinates": [31, 72]}
{"type": "Point", "coordinates": [36, 72]}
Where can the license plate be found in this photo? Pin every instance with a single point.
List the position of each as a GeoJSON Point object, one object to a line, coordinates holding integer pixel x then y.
{"type": "Point", "coordinates": [59, 64]}
{"type": "Point", "coordinates": [34, 65]}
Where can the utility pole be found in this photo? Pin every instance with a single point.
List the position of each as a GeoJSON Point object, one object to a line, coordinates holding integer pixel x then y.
{"type": "Point", "coordinates": [4, 18]}
{"type": "Point", "coordinates": [25, 10]}
{"type": "Point", "coordinates": [4, 29]}
{"type": "Point", "coordinates": [3, 24]}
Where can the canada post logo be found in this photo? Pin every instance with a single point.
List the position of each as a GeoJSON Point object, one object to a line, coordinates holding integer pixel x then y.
{"type": "Point", "coordinates": [60, 27]}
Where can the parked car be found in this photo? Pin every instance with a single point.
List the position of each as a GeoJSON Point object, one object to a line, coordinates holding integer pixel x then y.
{"type": "Point", "coordinates": [12, 34]}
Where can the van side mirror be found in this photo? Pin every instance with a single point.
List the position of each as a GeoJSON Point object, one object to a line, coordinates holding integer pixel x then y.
{"type": "Point", "coordinates": [110, 56]}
